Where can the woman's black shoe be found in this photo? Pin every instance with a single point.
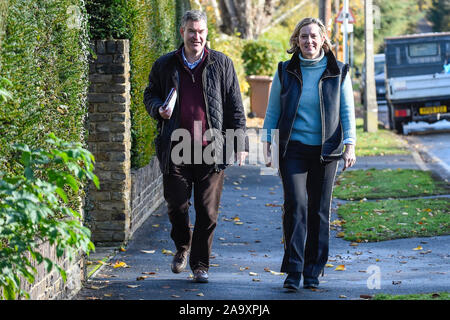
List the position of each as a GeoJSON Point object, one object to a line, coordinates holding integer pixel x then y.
{"type": "Point", "coordinates": [310, 283]}
{"type": "Point", "coordinates": [292, 281]}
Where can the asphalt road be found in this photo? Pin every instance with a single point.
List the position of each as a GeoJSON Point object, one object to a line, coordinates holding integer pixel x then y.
{"type": "Point", "coordinates": [433, 139]}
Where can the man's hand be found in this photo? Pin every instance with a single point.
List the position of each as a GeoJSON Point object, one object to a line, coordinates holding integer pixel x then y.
{"type": "Point", "coordinates": [349, 156]}
{"type": "Point", "coordinates": [240, 157]}
{"type": "Point", "coordinates": [267, 154]}
{"type": "Point", "coordinates": [165, 113]}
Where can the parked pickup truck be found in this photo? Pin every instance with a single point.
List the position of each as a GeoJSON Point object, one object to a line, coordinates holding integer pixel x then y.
{"type": "Point", "coordinates": [417, 85]}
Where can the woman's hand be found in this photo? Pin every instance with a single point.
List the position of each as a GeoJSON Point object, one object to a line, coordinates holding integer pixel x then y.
{"type": "Point", "coordinates": [349, 156]}
{"type": "Point", "coordinates": [240, 157]}
{"type": "Point", "coordinates": [267, 154]}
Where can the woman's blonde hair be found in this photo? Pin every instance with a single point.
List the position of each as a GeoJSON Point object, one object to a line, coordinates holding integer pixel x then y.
{"type": "Point", "coordinates": [293, 41]}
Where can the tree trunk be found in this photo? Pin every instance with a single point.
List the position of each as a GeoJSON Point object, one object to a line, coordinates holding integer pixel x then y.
{"type": "Point", "coordinates": [325, 13]}
{"type": "Point", "coordinates": [248, 17]}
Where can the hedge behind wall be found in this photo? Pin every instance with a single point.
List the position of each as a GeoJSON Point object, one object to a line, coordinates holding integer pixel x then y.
{"type": "Point", "coordinates": [43, 52]}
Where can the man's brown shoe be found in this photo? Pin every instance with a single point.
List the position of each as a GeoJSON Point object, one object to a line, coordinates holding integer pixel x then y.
{"type": "Point", "coordinates": [179, 261]}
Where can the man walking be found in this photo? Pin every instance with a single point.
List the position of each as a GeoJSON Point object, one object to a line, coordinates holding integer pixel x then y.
{"type": "Point", "coordinates": [208, 100]}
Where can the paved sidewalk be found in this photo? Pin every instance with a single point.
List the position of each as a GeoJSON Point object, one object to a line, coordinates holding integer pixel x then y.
{"type": "Point", "coordinates": [244, 254]}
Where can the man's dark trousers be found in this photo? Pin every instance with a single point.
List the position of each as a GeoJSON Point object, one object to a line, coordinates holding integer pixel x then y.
{"type": "Point", "coordinates": [207, 185]}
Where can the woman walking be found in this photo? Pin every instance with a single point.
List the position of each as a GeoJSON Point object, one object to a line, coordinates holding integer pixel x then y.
{"type": "Point", "coordinates": [311, 104]}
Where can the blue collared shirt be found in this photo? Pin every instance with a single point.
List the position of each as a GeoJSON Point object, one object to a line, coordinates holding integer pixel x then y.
{"type": "Point", "coordinates": [193, 64]}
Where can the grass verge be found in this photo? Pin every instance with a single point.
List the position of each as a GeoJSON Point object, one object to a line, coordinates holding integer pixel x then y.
{"type": "Point", "coordinates": [387, 183]}
{"type": "Point", "coordinates": [380, 143]}
{"type": "Point", "coordinates": [392, 219]}
{"type": "Point", "coordinates": [421, 296]}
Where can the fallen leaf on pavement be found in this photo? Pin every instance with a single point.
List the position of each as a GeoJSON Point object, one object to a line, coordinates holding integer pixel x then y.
{"type": "Point", "coordinates": [200, 294]}
{"type": "Point", "coordinates": [276, 273]}
{"type": "Point", "coordinates": [168, 252]}
{"type": "Point", "coordinates": [396, 282]}
{"type": "Point", "coordinates": [418, 248]}
{"type": "Point", "coordinates": [213, 265]}
{"type": "Point", "coordinates": [256, 280]}
{"type": "Point", "coordinates": [329, 265]}
{"type": "Point", "coordinates": [366, 296]}
{"type": "Point", "coordinates": [272, 205]}
{"type": "Point", "coordinates": [141, 278]}
{"type": "Point", "coordinates": [252, 273]}
{"type": "Point", "coordinates": [336, 223]}
{"type": "Point", "coordinates": [155, 225]}
{"type": "Point", "coordinates": [342, 296]}
{"type": "Point", "coordinates": [133, 286]}
{"type": "Point", "coordinates": [149, 272]}
{"type": "Point", "coordinates": [96, 288]}
{"type": "Point", "coordinates": [175, 296]}
{"type": "Point", "coordinates": [340, 267]}
{"type": "Point", "coordinates": [120, 264]}
{"type": "Point", "coordinates": [148, 251]}
{"type": "Point", "coordinates": [340, 235]}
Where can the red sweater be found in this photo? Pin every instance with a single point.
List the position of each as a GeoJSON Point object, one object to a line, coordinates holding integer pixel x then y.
{"type": "Point", "coordinates": [192, 102]}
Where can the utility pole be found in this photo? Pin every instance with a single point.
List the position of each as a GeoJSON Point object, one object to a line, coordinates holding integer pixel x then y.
{"type": "Point", "coordinates": [336, 29]}
{"type": "Point", "coordinates": [370, 100]}
{"type": "Point", "coordinates": [345, 30]}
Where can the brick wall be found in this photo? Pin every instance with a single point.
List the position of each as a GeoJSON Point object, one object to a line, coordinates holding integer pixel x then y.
{"type": "Point", "coordinates": [126, 196]}
{"type": "Point", "coordinates": [110, 141]}
{"type": "Point", "coordinates": [50, 286]}
{"type": "Point", "coordinates": [146, 192]}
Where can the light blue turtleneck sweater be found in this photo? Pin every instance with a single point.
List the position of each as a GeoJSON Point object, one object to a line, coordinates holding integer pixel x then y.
{"type": "Point", "coordinates": [307, 125]}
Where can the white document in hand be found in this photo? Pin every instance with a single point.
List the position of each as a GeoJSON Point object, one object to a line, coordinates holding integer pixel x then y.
{"type": "Point", "coordinates": [169, 104]}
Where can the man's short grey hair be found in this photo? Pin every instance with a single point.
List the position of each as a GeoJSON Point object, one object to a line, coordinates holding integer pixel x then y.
{"type": "Point", "coordinates": [193, 15]}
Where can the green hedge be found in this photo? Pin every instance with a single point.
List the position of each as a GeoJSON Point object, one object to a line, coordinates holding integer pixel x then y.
{"type": "Point", "coordinates": [43, 53]}
{"type": "Point", "coordinates": [232, 46]}
{"type": "Point", "coordinates": [152, 27]}
{"type": "Point", "coordinates": [260, 57]}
